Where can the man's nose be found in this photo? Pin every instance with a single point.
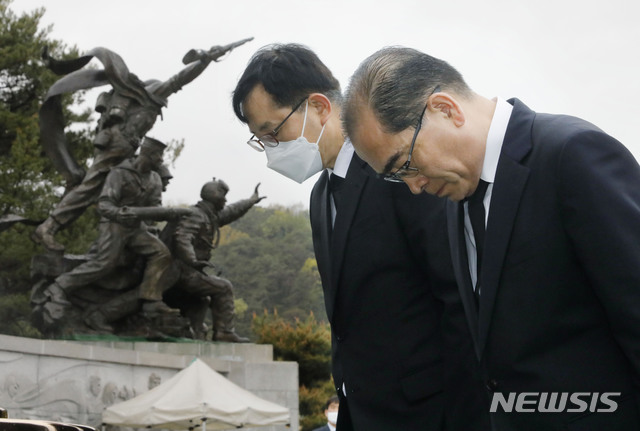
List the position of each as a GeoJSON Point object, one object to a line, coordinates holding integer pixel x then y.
{"type": "Point", "coordinates": [416, 183]}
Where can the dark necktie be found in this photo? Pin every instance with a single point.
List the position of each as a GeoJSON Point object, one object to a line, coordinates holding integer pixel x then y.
{"type": "Point", "coordinates": [335, 186]}
{"type": "Point", "coordinates": [477, 217]}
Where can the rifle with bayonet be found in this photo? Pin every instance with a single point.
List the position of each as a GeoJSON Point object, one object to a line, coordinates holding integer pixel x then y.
{"type": "Point", "coordinates": [153, 213]}
{"type": "Point", "coordinates": [214, 53]}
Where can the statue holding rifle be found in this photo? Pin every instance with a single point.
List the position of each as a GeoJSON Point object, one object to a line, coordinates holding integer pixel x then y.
{"type": "Point", "coordinates": [127, 112]}
{"type": "Point", "coordinates": [131, 194]}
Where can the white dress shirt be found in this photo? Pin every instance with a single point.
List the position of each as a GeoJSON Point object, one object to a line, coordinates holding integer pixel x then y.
{"type": "Point", "coordinates": [343, 160]}
{"type": "Point", "coordinates": [495, 138]}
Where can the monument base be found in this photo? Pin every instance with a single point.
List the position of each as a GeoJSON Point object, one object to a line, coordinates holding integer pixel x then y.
{"type": "Point", "coordinates": [73, 381]}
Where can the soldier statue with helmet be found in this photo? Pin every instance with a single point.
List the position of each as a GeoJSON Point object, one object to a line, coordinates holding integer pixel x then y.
{"type": "Point", "coordinates": [131, 194]}
{"type": "Point", "coordinates": [127, 112]}
{"type": "Point", "coordinates": [191, 240]}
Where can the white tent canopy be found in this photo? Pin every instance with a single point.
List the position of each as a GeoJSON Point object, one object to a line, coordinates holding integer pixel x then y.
{"type": "Point", "coordinates": [196, 397]}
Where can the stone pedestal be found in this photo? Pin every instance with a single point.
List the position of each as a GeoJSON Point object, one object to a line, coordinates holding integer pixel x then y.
{"type": "Point", "coordinates": [73, 381]}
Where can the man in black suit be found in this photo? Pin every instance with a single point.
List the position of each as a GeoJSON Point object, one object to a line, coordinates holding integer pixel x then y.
{"type": "Point", "coordinates": [544, 226]}
{"type": "Point", "coordinates": [379, 252]}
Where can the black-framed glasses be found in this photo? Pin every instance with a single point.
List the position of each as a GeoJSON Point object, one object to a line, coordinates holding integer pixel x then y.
{"type": "Point", "coordinates": [270, 139]}
{"type": "Point", "coordinates": [406, 171]}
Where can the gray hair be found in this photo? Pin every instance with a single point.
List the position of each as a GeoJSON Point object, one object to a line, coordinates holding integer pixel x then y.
{"type": "Point", "coordinates": [394, 84]}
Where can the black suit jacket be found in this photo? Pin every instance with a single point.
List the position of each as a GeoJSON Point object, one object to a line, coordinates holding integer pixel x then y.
{"type": "Point", "coordinates": [560, 303]}
{"type": "Point", "coordinates": [379, 290]}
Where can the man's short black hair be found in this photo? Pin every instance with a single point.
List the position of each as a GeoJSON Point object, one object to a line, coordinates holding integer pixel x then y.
{"type": "Point", "coordinates": [288, 73]}
{"type": "Point", "coordinates": [332, 400]}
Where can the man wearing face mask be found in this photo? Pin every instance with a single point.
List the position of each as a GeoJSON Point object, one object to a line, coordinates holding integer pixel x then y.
{"type": "Point", "coordinates": [331, 412]}
{"type": "Point", "coordinates": [298, 159]}
{"type": "Point", "coordinates": [399, 338]}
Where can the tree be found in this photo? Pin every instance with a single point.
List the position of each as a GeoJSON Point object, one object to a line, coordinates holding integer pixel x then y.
{"type": "Point", "coordinates": [268, 256]}
{"type": "Point", "coordinates": [29, 184]}
{"type": "Point", "coordinates": [307, 342]}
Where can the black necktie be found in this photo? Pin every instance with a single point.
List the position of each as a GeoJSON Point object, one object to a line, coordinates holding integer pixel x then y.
{"type": "Point", "coordinates": [335, 185]}
{"type": "Point", "coordinates": [477, 217]}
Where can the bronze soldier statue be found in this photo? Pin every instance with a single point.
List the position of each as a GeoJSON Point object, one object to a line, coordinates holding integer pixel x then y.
{"type": "Point", "coordinates": [127, 113]}
{"type": "Point", "coordinates": [131, 192]}
{"type": "Point", "coordinates": [191, 240]}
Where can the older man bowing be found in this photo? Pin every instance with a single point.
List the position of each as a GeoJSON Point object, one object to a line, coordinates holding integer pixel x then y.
{"type": "Point", "coordinates": [543, 224]}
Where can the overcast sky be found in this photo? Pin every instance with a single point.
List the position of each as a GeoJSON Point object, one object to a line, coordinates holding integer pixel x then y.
{"type": "Point", "coordinates": [578, 57]}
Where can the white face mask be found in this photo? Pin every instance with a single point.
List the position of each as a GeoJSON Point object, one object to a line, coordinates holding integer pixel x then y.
{"type": "Point", "coordinates": [332, 417]}
{"type": "Point", "coordinates": [298, 159]}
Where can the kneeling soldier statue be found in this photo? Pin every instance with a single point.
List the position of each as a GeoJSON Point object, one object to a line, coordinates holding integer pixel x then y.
{"type": "Point", "coordinates": [191, 240]}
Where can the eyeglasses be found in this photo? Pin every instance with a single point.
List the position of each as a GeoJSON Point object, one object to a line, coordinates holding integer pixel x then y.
{"type": "Point", "coordinates": [406, 171]}
{"type": "Point", "coordinates": [270, 140]}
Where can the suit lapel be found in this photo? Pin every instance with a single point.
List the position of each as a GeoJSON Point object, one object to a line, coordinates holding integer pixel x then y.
{"type": "Point", "coordinates": [352, 189]}
{"type": "Point", "coordinates": [511, 178]}
{"type": "Point", "coordinates": [455, 215]}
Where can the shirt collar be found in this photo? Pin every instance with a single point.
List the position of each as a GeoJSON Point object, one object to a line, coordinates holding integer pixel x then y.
{"type": "Point", "coordinates": [495, 138]}
{"type": "Point", "coordinates": [343, 160]}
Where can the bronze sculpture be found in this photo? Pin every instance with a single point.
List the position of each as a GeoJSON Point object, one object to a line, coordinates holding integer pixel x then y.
{"type": "Point", "coordinates": [127, 113]}
{"type": "Point", "coordinates": [131, 189]}
{"type": "Point", "coordinates": [118, 286]}
{"type": "Point", "coordinates": [191, 240]}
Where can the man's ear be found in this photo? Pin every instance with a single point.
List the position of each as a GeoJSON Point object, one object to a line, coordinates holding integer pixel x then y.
{"type": "Point", "coordinates": [447, 105]}
{"type": "Point", "coordinates": [322, 106]}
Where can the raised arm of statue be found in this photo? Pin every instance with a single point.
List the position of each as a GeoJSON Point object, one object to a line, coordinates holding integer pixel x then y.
{"type": "Point", "coordinates": [197, 61]}
{"type": "Point", "coordinates": [234, 211]}
{"type": "Point", "coordinates": [179, 80]}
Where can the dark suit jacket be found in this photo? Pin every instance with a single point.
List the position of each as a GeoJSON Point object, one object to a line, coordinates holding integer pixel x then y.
{"type": "Point", "coordinates": [387, 344]}
{"type": "Point", "coordinates": [323, 428]}
{"type": "Point", "coordinates": [560, 303]}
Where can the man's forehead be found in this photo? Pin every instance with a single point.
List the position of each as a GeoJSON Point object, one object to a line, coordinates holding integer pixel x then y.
{"type": "Point", "coordinates": [374, 144]}
{"type": "Point", "coordinates": [260, 109]}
